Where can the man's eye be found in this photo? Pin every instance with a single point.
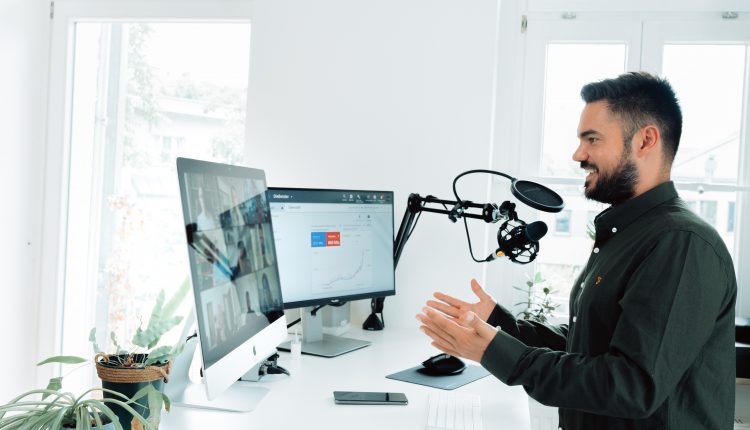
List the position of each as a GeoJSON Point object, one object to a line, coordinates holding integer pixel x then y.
{"type": "Point", "coordinates": [593, 139]}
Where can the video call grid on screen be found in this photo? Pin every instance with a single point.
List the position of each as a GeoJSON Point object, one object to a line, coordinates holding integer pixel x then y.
{"type": "Point", "coordinates": [333, 244]}
{"type": "Point", "coordinates": [232, 257]}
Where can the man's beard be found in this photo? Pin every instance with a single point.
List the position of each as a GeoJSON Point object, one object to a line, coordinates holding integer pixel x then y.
{"type": "Point", "coordinates": [616, 187]}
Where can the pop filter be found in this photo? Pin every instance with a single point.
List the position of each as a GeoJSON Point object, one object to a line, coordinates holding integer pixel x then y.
{"type": "Point", "coordinates": [537, 196]}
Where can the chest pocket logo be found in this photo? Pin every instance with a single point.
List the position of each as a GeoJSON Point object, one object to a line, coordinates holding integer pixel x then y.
{"type": "Point", "coordinates": [599, 280]}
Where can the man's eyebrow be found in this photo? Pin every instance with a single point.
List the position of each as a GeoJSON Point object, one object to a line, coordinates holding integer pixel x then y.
{"type": "Point", "coordinates": [587, 133]}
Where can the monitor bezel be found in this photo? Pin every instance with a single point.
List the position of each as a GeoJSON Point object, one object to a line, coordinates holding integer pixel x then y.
{"type": "Point", "coordinates": [225, 371]}
{"type": "Point", "coordinates": [338, 300]}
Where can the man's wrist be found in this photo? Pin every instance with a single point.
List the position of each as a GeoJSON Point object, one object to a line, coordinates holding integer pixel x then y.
{"type": "Point", "coordinates": [502, 355]}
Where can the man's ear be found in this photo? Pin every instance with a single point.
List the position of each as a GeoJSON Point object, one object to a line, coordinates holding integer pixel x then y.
{"type": "Point", "coordinates": [647, 140]}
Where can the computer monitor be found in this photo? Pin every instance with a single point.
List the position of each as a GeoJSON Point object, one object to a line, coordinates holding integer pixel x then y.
{"type": "Point", "coordinates": [333, 246]}
{"type": "Point", "coordinates": [235, 277]}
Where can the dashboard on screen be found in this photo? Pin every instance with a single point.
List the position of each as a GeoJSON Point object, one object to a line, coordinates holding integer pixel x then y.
{"type": "Point", "coordinates": [332, 245]}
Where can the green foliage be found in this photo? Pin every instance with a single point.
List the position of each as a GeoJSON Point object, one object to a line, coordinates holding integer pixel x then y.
{"type": "Point", "coordinates": [56, 409]}
{"type": "Point", "coordinates": [158, 324]}
{"type": "Point", "coordinates": [162, 319]}
{"type": "Point", "coordinates": [538, 307]}
{"type": "Point", "coordinates": [63, 359]}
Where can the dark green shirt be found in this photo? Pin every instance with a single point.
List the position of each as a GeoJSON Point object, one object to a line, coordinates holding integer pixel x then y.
{"type": "Point", "coordinates": [650, 340]}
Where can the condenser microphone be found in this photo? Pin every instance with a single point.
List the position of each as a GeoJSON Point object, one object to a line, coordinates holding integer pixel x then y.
{"type": "Point", "coordinates": [520, 243]}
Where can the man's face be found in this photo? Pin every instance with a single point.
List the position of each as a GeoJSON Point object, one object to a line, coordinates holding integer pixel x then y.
{"type": "Point", "coordinates": [612, 173]}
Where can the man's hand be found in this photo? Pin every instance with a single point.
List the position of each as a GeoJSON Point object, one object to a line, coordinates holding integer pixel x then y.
{"type": "Point", "coordinates": [464, 336]}
{"type": "Point", "coordinates": [453, 306]}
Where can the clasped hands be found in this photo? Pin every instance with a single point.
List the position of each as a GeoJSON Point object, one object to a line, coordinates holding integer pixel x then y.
{"type": "Point", "coordinates": [459, 328]}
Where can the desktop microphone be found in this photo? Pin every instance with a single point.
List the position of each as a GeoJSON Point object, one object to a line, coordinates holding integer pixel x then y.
{"type": "Point", "coordinates": [520, 243]}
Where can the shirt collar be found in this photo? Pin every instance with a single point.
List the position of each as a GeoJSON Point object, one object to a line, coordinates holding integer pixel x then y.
{"type": "Point", "coordinates": [617, 218]}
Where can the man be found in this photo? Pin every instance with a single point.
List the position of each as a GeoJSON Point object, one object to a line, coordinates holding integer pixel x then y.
{"type": "Point", "coordinates": [650, 339]}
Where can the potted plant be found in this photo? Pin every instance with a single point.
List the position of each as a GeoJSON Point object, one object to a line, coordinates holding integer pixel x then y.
{"type": "Point", "coordinates": [54, 410]}
{"type": "Point", "coordinates": [130, 371]}
{"type": "Point", "coordinates": [539, 307]}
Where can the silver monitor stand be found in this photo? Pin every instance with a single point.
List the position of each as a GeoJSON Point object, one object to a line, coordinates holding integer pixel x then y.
{"type": "Point", "coordinates": [314, 342]}
{"type": "Point", "coordinates": [239, 397]}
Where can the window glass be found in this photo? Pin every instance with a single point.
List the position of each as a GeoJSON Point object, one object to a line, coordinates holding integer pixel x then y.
{"type": "Point", "coordinates": [709, 81]}
{"type": "Point", "coordinates": [708, 211]}
{"type": "Point", "coordinates": [568, 68]}
{"type": "Point", "coordinates": [709, 149]}
{"type": "Point", "coordinates": [562, 257]}
{"type": "Point", "coordinates": [562, 222]}
{"type": "Point", "coordinates": [716, 208]}
{"type": "Point", "coordinates": [161, 90]}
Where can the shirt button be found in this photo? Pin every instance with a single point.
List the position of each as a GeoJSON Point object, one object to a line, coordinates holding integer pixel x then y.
{"type": "Point", "coordinates": [596, 250]}
{"type": "Point", "coordinates": [575, 319]}
{"type": "Point", "coordinates": [582, 284]}
{"type": "Point", "coordinates": [614, 229]}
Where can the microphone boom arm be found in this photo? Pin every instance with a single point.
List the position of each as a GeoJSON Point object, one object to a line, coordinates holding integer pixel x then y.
{"type": "Point", "coordinates": [490, 213]}
{"type": "Point", "coordinates": [532, 194]}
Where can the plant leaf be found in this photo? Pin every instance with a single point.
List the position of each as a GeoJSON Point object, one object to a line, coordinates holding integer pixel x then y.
{"type": "Point", "coordinates": [156, 328]}
{"type": "Point", "coordinates": [132, 411]}
{"type": "Point", "coordinates": [156, 312]}
{"type": "Point", "coordinates": [64, 359]}
{"type": "Point", "coordinates": [103, 408]}
{"type": "Point", "coordinates": [113, 337]}
{"type": "Point", "coordinates": [167, 402]}
{"type": "Point", "coordinates": [171, 307]}
{"type": "Point", "coordinates": [155, 403]}
{"type": "Point", "coordinates": [158, 354]}
{"type": "Point", "coordinates": [141, 393]}
{"type": "Point", "coordinates": [54, 384]}
{"type": "Point", "coordinates": [92, 339]}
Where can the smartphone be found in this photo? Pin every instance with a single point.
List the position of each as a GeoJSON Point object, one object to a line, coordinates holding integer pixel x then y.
{"type": "Point", "coordinates": [368, 398]}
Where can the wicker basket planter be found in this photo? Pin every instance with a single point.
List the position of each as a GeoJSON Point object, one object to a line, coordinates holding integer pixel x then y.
{"type": "Point", "coordinates": [117, 375]}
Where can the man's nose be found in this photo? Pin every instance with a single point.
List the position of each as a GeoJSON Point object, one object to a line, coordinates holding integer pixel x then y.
{"type": "Point", "coordinates": [579, 154]}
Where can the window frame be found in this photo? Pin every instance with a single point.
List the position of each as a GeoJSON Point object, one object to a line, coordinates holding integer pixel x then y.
{"type": "Point", "coordinates": [53, 289]}
{"type": "Point", "coordinates": [549, 23]}
{"type": "Point", "coordinates": [713, 30]}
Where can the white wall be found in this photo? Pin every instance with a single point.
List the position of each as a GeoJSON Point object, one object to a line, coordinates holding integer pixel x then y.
{"type": "Point", "coordinates": [24, 49]}
{"type": "Point", "coordinates": [386, 95]}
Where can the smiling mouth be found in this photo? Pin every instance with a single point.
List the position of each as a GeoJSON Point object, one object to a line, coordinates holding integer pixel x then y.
{"type": "Point", "coordinates": [589, 179]}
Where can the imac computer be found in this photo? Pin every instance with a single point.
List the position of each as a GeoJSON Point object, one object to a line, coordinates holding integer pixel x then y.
{"type": "Point", "coordinates": [333, 246]}
{"type": "Point", "coordinates": [238, 303]}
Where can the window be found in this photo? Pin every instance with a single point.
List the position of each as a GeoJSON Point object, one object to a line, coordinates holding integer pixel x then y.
{"type": "Point", "coordinates": [708, 211]}
{"type": "Point", "coordinates": [144, 93]}
{"type": "Point", "coordinates": [704, 58]}
{"type": "Point", "coordinates": [562, 222]}
{"type": "Point", "coordinates": [565, 255]}
{"type": "Point", "coordinates": [562, 107]}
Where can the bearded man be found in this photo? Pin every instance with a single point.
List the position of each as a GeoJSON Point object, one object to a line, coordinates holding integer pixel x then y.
{"type": "Point", "coordinates": [650, 339]}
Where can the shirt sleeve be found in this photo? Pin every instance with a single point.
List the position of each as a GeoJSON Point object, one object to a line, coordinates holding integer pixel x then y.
{"type": "Point", "coordinates": [531, 333]}
{"type": "Point", "coordinates": [669, 309]}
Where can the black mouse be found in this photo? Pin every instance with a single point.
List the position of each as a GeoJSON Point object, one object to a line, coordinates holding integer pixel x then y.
{"type": "Point", "coordinates": [442, 365]}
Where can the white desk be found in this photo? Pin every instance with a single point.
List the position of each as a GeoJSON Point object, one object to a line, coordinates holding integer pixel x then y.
{"type": "Point", "coordinates": [305, 400]}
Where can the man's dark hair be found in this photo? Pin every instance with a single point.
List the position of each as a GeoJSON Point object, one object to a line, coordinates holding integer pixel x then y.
{"type": "Point", "coordinates": [638, 99]}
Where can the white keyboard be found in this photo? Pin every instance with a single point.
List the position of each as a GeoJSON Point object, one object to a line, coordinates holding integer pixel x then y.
{"type": "Point", "coordinates": [448, 410]}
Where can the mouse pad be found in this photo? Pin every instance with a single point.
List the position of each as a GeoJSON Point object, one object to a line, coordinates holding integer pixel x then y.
{"type": "Point", "coordinates": [470, 374]}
